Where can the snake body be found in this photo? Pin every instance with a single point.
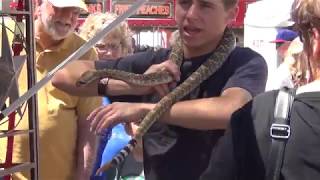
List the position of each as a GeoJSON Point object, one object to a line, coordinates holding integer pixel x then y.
{"type": "Point", "coordinates": [151, 79]}
{"type": "Point", "coordinates": [209, 67]}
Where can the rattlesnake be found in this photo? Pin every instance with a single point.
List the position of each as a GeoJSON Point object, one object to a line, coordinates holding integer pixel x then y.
{"type": "Point", "coordinates": [151, 79]}
{"type": "Point", "coordinates": [208, 68]}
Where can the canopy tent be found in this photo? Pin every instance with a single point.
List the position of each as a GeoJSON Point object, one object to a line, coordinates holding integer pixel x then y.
{"type": "Point", "coordinates": [269, 13]}
{"type": "Point", "coordinates": [261, 22]}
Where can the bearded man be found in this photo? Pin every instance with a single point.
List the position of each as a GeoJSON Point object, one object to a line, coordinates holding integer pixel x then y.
{"type": "Point", "coordinates": [66, 148]}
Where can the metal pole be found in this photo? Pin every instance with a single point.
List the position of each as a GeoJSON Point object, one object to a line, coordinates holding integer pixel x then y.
{"type": "Point", "coordinates": [32, 103]}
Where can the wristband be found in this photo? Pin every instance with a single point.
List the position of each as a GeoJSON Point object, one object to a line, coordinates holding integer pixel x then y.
{"type": "Point", "coordinates": [103, 87]}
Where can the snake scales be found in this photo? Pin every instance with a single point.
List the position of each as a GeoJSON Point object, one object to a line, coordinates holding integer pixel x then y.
{"type": "Point", "coordinates": [209, 67]}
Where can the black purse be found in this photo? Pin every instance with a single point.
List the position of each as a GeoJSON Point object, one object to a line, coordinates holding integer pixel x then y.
{"type": "Point", "coordinates": [279, 132]}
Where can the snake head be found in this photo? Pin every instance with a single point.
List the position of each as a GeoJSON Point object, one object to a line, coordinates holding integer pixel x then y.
{"type": "Point", "coordinates": [87, 78]}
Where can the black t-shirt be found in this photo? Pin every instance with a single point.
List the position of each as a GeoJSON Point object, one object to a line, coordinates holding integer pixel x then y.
{"type": "Point", "coordinates": [243, 152]}
{"type": "Point", "coordinates": [189, 157]}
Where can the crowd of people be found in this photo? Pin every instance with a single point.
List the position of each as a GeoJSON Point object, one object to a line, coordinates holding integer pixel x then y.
{"type": "Point", "coordinates": [221, 130]}
{"type": "Point", "coordinates": [291, 71]}
{"type": "Point", "coordinates": [66, 146]}
{"type": "Point", "coordinates": [199, 120]}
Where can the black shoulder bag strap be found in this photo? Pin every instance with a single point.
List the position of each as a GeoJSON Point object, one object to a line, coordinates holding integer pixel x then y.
{"type": "Point", "coordinates": [279, 132]}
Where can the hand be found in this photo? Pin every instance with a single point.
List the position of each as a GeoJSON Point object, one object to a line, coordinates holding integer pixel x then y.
{"type": "Point", "coordinates": [172, 68]}
{"type": "Point", "coordinates": [115, 113]}
{"type": "Point", "coordinates": [131, 129]}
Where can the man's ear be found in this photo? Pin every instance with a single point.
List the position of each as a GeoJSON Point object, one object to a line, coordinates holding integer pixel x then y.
{"type": "Point", "coordinates": [37, 11]}
{"type": "Point", "coordinates": [232, 14]}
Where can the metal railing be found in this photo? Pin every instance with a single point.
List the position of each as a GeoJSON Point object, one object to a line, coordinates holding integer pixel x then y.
{"type": "Point", "coordinates": [22, 13]}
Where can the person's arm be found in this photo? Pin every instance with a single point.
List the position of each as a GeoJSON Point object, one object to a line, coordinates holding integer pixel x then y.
{"type": "Point", "coordinates": [247, 80]}
{"type": "Point", "coordinates": [86, 150]}
{"type": "Point", "coordinates": [66, 78]}
{"type": "Point", "coordinates": [207, 113]}
{"type": "Point", "coordinates": [86, 141]}
{"type": "Point", "coordinates": [137, 152]}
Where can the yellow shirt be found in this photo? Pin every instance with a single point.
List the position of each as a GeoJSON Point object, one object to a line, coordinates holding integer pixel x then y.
{"type": "Point", "coordinates": [58, 114]}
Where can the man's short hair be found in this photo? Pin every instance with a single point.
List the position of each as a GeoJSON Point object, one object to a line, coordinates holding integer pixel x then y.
{"type": "Point", "coordinates": [229, 3]}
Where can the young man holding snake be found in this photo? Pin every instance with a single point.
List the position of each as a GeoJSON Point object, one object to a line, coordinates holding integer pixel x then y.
{"type": "Point", "coordinates": [199, 120]}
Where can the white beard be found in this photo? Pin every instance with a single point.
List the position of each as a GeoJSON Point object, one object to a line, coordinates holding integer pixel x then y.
{"type": "Point", "coordinates": [50, 28]}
